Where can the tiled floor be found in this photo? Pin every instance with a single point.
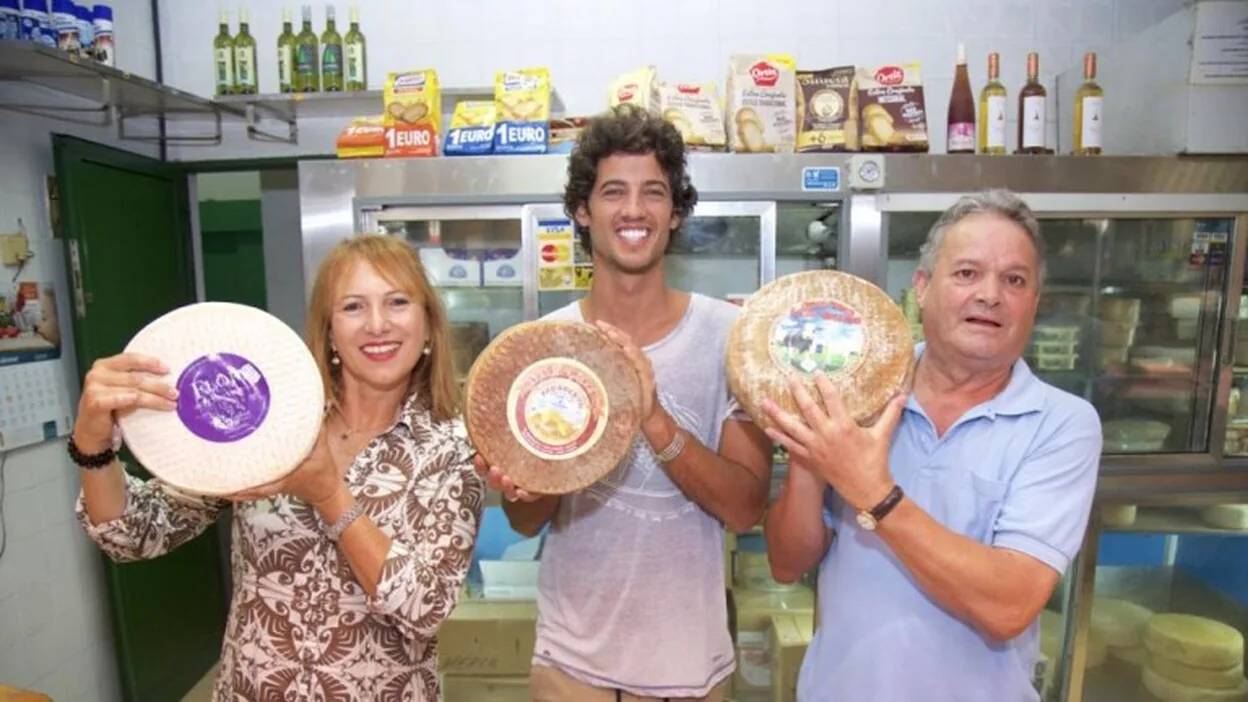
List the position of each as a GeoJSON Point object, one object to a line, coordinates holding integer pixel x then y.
{"type": "Point", "coordinates": [203, 691]}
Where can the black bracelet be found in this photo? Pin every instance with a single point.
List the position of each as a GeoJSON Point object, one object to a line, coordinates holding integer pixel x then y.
{"type": "Point", "coordinates": [90, 461]}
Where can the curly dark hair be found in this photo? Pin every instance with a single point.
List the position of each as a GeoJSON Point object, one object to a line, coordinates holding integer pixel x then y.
{"type": "Point", "coordinates": [627, 129]}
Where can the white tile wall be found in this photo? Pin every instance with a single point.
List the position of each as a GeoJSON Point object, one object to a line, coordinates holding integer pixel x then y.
{"type": "Point", "coordinates": [55, 635]}
{"type": "Point", "coordinates": [585, 44]}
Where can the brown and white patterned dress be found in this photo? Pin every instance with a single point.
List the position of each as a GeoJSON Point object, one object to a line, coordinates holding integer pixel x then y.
{"type": "Point", "coordinates": [301, 627]}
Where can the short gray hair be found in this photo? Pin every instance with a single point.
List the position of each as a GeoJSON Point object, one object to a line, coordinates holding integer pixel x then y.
{"type": "Point", "coordinates": [1000, 202]}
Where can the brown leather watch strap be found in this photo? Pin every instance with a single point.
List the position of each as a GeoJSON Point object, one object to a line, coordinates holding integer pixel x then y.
{"type": "Point", "coordinates": [886, 505]}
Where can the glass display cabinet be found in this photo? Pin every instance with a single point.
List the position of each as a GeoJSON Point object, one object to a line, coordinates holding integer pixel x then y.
{"type": "Point", "coordinates": [1140, 314]}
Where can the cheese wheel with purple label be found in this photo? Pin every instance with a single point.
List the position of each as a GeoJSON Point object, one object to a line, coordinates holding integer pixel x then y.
{"type": "Point", "coordinates": [819, 322]}
{"type": "Point", "coordinates": [555, 405]}
{"type": "Point", "coordinates": [250, 399]}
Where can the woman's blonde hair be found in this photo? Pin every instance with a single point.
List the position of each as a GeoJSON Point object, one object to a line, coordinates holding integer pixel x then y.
{"type": "Point", "coordinates": [434, 375]}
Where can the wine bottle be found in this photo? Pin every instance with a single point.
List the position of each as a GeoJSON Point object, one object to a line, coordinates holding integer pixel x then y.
{"type": "Point", "coordinates": [992, 110]}
{"type": "Point", "coordinates": [307, 57]}
{"type": "Point", "coordinates": [223, 52]}
{"type": "Point", "coordinates": [961, 133]}
{"type": "Point", "coordinates": [1032, 114]}
{"type": "Point", "coordinates": [1089, 100]}
{"type": "Point", "coordinates": [286, 54]}
{"type": "Point", "coordinates": [357, 62]}
{"type": "Point", "coordinates": [245, 82]}
{"type": "Point", "coordinates": [331, 54]}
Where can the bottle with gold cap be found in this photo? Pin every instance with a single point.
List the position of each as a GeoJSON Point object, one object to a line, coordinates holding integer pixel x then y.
{"type": "Point", "coordinates": [1089, 100]}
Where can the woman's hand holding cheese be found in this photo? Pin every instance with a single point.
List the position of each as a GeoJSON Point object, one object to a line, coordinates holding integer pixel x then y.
{"type": "Point", "coordinates": [120, 383]}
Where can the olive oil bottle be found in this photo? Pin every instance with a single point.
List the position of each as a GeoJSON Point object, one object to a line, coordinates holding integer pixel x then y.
{"type": "Point", "coordinates": [245, 82]}
{"type": "Point", "coordinates": [331, 54]}
{"type": "Point", "coordinates": [286, 54]}
{"type": "Point", "coordinates": [307, 57]}
{"type": "Point", "coordinates": [355, 50]}
{"type": "Point", "coordinates": [223, 56]}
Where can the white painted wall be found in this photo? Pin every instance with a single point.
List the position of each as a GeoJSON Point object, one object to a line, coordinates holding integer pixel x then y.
{"type": "Point", "coordinates": [55, 635]}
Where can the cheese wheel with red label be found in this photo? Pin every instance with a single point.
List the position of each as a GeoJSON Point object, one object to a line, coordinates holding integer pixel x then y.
{"type": "Point", "coordinates": [826, 322]}
{"type": "Point", "coordinates": [555, 405]}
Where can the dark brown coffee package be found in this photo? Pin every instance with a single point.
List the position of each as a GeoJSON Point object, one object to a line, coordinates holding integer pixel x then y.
{"type": "Point", "coordinates": [892, 111]}
{"type": "Point", "coordinates": [827, 110]}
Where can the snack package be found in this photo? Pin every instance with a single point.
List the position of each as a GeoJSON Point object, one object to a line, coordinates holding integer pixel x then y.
{"type": "Point", "coordinates": [893, 115]}
{"type": "Point", "coordinates": [364, 137]}
{"type": "Point", "coordinates": [639, 87]}
{"type": "Point", "coordinates": [564, 133]}
{"type": "Point", "coordinates": [523, 101]}
{"type": "Point", "coordinates": [827, 110]}
{"type": "Point", "coordinates": [696, 112]}
{"type": "Point", "coordinates": [472, 129]}
{"type": "Point", "coordinates": [762, 103]}
{"type": "Point", "coordinates": [413, 101]}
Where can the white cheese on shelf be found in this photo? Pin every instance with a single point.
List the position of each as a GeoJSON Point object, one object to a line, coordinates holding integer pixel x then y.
{"type": "Point", "coordinates": [1195, 641]}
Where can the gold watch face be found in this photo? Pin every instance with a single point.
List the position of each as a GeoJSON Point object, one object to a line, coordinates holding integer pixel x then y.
{"type": "Point", "coordinates": [866, 521]}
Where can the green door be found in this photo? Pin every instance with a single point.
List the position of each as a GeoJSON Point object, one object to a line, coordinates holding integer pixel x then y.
{"type": "Point", "coordinates": [125, 223]}
{"type": "Point", "coordinates": [232, 242]}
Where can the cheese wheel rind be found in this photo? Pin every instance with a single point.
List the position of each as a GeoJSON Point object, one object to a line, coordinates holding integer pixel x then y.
{"type": "Point", "coordinates": [1226, 679]}
{"type": "Point", "coordinates": [1168, 690]}
{"type": "Point", "coordinates": [827, 322]}
{"type": "Point", "coordinates": [1226, 516]}
{"type": "Point", "coordinates": [1198, 642]}
{"type": "Point", "coordinates": [251, 400]}
{"type": "Point", "coordinates": [1119, 623]}
{"type": "Point", "coordinates": [553, 404]}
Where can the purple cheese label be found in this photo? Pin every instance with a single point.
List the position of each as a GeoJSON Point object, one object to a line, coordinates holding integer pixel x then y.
{"type": "Point", "coordinates": [222, 397]}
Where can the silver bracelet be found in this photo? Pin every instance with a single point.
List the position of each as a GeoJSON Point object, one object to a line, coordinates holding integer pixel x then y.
{"type": "Point", "coordinates": [673, 449]}
{"type": "Point", "coordinates": [334, 531]}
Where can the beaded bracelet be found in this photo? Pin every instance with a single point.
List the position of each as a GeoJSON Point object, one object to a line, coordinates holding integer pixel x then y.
{"type": "Point", "coordinates": [334, 531]}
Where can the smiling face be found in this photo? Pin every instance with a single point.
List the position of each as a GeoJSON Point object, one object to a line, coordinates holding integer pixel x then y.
{"type": "Point", "coordinates": [629, 214]}
{"type": "Point", "coordinates": [378, 331]}
{"type": "Point", "coordinates": [979, 302]}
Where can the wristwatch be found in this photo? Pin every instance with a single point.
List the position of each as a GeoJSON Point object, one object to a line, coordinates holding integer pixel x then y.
{"type": "Point", "coordinates": [869, 519]}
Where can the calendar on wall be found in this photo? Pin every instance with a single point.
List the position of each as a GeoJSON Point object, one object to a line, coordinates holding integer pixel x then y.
{"type": "Point", "coordinates": [34, 402]}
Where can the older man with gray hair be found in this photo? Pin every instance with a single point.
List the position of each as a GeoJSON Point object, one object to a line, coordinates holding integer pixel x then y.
{"type": "Point", "coordinates": [941, 530]}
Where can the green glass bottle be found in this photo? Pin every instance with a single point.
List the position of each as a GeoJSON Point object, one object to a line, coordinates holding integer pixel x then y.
{"type": "Point", "coordinates": [331, 54]}
{"type": "Point", "coordinates": [245, 82]}
{"type": "Point", "coordinates": [357, 63]}
{"type": "Point", "coordinates": [223, 56]}
{"type": "Point", "coordinates": [286, 54]}
{"type": "Point", "coordinates": [307, 57]}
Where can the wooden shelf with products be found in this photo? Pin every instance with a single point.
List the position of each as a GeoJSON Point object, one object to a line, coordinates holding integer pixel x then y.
{"type": "Point", "coordinates": [115, 96]}
{"type": "Point", "coordinates": [289, 108]}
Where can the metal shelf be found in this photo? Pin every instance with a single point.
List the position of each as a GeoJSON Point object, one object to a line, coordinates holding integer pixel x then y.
{"type": "Point", "coordinates": [289, 108]}
{"type": "Point", "coordinates": [112, 94]}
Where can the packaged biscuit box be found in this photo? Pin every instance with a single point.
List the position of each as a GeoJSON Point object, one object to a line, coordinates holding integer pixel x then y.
{"type": "Point", "coordinates": [472, 129]}
{"type": "Point", "coordinates": [892, 111]}
{"type": "Point", "coordinates": [639, 87]}
{"type": "Point", "coordinates": [413, 104]}
{"type": "Point", "coordinates": [696, 112]}
{"type": "Point", "coordinates": [827, 110]}
{"type": "Point", "coordinates": [762, 103]}
{"type": "Point", "coordinates": [564, 133]}
{"type": "Point", "coordinates": [364, 137]}
{"type": "Point", "coordinates": [523, 101]}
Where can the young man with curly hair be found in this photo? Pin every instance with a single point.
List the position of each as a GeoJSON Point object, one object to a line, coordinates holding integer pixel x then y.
{"type": "Point", "coordinates": [631, 592]}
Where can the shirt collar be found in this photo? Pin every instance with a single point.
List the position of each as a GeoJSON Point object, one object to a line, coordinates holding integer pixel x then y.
{"type": "Point", "coordinates": [1024, 393]}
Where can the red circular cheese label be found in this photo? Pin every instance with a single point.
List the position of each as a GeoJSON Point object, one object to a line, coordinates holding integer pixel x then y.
{"type": "Point", "coordinates": [557, 408]}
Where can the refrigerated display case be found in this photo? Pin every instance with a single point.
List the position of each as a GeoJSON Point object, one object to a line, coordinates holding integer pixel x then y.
{"type": "Point", "coordinates": [1140, 311]}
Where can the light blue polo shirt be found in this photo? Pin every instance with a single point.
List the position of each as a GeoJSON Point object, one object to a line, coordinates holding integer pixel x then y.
{"type": "Point", "coordinates": [1018, 471]}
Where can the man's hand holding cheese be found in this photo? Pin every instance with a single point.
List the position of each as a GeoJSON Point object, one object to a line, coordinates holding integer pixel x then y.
{"type": "Point", "coordinates": [941, 531]}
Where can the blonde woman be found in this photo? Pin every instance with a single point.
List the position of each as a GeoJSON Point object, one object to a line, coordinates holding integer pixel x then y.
{"type": "Point", "coordinates": [343, 571]}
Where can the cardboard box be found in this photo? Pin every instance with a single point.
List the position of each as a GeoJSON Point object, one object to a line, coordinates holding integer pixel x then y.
{"type": "Point", "coordinates": [486, 637]}
{"type": "Point", "coordinates": [753, 611]}
{"type": "Point", "coordinates": [789, 636]}
{"type": "Point", "coordinates": [466, 688]}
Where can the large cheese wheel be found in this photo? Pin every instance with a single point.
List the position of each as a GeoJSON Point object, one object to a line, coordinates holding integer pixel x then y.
{"type": "Point", "coordinates": [1195, 641]}
{"type": "Point", "coordinates": [1168, 690]}
{"type": "Point", "coordinates": [1134, 656]}
{"type": "Point", "coordinates": [555, 405]}
{"type": "Point", "coordinates": [825, 322]}
{"type": "Point", "coordinates": [1226, 516]}
{"type": "Point", "coordinates": [1226, 679]}
{"type": "Point", "coordinates": [1118, 622]}
{"type": "Point", "coordinates": [250, 405]}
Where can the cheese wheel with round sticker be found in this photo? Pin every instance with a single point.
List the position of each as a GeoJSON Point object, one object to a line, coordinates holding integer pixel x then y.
{"type": "Point", "coordinates": [1168, 690]}
{"type": "Point", "coordinates": [1195, 641]}
{"type": "Point", "coordinates": [555, 405]}
{"type": "Point", "coordinates": [250, 399]}
{"type": "Point", "coordinates": [819, 322]}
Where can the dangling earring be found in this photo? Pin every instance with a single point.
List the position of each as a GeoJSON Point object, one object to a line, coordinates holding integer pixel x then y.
{"type": "Point", "coordinates": [333, 356]}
